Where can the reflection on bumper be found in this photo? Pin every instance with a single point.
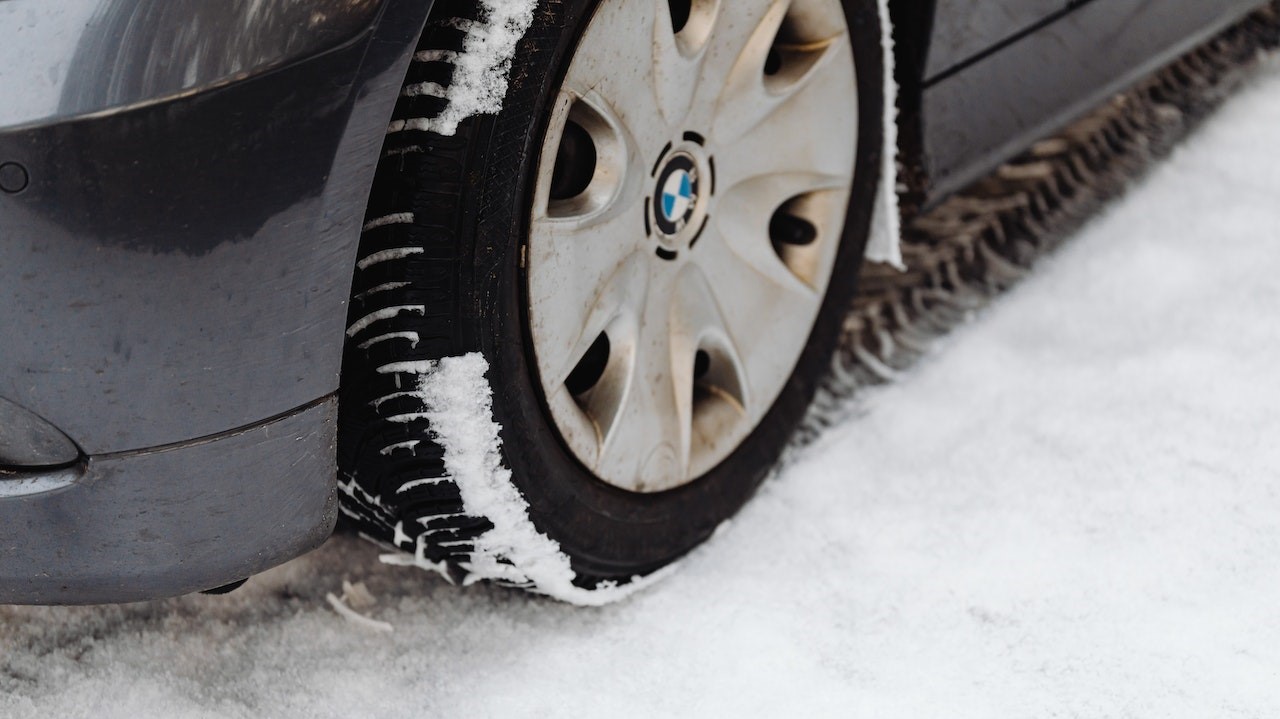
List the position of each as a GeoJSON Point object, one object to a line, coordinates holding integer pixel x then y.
{"type": "Point", "coordinates": [67, 58]}
{"type": "Point", "coordinates": [27, 442]}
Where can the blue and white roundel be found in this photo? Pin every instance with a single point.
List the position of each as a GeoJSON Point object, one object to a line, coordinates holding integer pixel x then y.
{"type": "Point", "coordinates": [677, 196]}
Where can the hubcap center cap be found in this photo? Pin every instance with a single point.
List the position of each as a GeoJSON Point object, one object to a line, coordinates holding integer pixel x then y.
{"type": "Point", "coordinates": [678, 203]}
{"type": "Point", "coordinates": [677, 195]}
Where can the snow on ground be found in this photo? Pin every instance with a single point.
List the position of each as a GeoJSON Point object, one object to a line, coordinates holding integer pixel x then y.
{"type": "Point", "coordinates": [1072, 508]}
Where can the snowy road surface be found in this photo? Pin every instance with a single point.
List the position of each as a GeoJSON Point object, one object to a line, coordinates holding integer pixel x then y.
{"type": "Point", "coordinates": [1071, 508]}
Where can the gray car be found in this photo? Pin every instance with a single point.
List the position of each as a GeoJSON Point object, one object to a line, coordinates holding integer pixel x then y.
{"type": "Point", "coordinates": [532, 290]}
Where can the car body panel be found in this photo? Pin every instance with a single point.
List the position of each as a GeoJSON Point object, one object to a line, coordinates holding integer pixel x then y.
{"type": "Point", "coordinates": [967, 119]}
{"type": "Point", "coordinates": [173, 289]}
{"type": "Point", "coordinates": [963, 29]}
{"type": "Point", "coordinates": [139, 525]}
{"type": "Point", "coordinates": [181, 268]}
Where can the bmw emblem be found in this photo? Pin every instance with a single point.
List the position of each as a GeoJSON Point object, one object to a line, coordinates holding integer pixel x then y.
{"type": "Point", "coordinates": [677, 195]}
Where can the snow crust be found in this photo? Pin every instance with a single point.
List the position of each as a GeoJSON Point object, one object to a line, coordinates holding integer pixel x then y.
{"type": "Point", "coordinates": [885, 243]}
{"type": "Point", "coordinates": [458, 402]}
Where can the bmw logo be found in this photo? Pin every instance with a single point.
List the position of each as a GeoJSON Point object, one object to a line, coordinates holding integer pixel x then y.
{"type": "Point", "coordinates": [677, 195]}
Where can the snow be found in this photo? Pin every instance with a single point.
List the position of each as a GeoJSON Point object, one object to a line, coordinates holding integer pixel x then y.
{"type": "Point", "coordinates": [353, 596]}
{"type": "Point", "coordinates": [479, 81]}
{"type": "Point", "coordinates": [885, 243]}
{"type": "Point", "coordinates": [458, 402]}
{"type": "Point", "coordinates": [397, 253]}
{"type": "Point", "coordinates": [383, 314]}
{"type": "Point", "coordinates": [454, 395]}
{"type": "Point", "coordinates": [1070, 508]}
{"type": "Point", "coordinates": [398, 218]}
{"type": "Point", "coordinates": [413, 338]}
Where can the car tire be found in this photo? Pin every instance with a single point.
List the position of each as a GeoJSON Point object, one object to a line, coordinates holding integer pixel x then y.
{"type": "Point", "coordinates": [446, 270]}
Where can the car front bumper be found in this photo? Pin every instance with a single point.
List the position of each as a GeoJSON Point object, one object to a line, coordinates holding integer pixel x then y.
{"type": "Point", "coordinates": [178, 229]}
{"type": "Point", "coordinates": [169, 520]}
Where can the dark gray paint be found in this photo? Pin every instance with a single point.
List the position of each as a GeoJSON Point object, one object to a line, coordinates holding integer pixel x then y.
{"type": "Point", "coordinates": [137, 526]}
{"type": "Point", "coordinates": [965, 28]}
{"type": "Point", "coordinates": [178, 269]}
{"type": "Point", "coordinates": [977, 118]}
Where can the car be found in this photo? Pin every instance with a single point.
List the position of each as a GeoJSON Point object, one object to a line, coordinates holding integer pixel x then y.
{"type": "Point", "coordinates": [534, 291]}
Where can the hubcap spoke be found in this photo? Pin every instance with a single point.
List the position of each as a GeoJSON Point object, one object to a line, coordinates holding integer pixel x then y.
{"type": "Point", "coordinates": [621, 45]}
{"type": "Point", "coordinates": [739, 28]}
{"type": "Point", "coordinates": [747, 211]}
{"type": "Point", "coordinates": [772, 145]}
{"type": "Point", "coordinates": [609, 280]}
{"type": "Point", "coordinates": [762, 314]}
{"type": "Point", "coordinates": [712, 388]}
{"type": "Point", "coordinates": [678, 56]}
{"type": "Point", "coordinates": [648, 442]}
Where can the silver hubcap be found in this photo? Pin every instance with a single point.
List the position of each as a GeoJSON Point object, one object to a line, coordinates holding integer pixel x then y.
{"type": "Point", "coordinates": [688, 210]}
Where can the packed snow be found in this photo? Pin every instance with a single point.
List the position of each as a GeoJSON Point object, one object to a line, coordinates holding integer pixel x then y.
{"type": "Point", "coordinates": [1070, 508]}
{"type": "Point", "coordinates": [885, 243]}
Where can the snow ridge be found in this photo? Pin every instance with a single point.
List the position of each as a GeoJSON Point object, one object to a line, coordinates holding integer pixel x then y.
{"type": "Point", "coordinates": [458, 403]}
{"type": "Point", "coordinates": [885, 243]}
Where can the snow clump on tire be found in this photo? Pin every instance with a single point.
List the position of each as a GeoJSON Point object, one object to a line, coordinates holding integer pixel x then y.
{"type": "Point", "coordinates": [481, 69]}
{"type": "Point", "coordinates": [457, 403]}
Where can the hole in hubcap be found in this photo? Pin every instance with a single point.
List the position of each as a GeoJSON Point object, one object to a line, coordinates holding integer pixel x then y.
{"type": "Point", "coordinates": [773, 61]}
{"type": "Point", "coordinates": [680, 10]}
{"type": "Point", "coordinates": [788, 229]}
{"type": "Point", "coordinates": [795, 234]}
{"type": "Point", "coordinates": [575, 163]}
{"type": "Point", "coordinates": [799, 44]}
{"type": "Point", "coordinates": [701, 363]}
{"type": "Point", "coordinates": [691, 22]}
{"type": "Point", "coordinates": [718, 393]}
{"type": "Point", "coordinates": [590, 160]}
{"type": "Point", "coordinates": [590, 368]}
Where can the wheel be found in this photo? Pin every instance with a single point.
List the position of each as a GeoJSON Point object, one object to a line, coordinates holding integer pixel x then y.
{"type": "Point", "coordinates": [583, 329]}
